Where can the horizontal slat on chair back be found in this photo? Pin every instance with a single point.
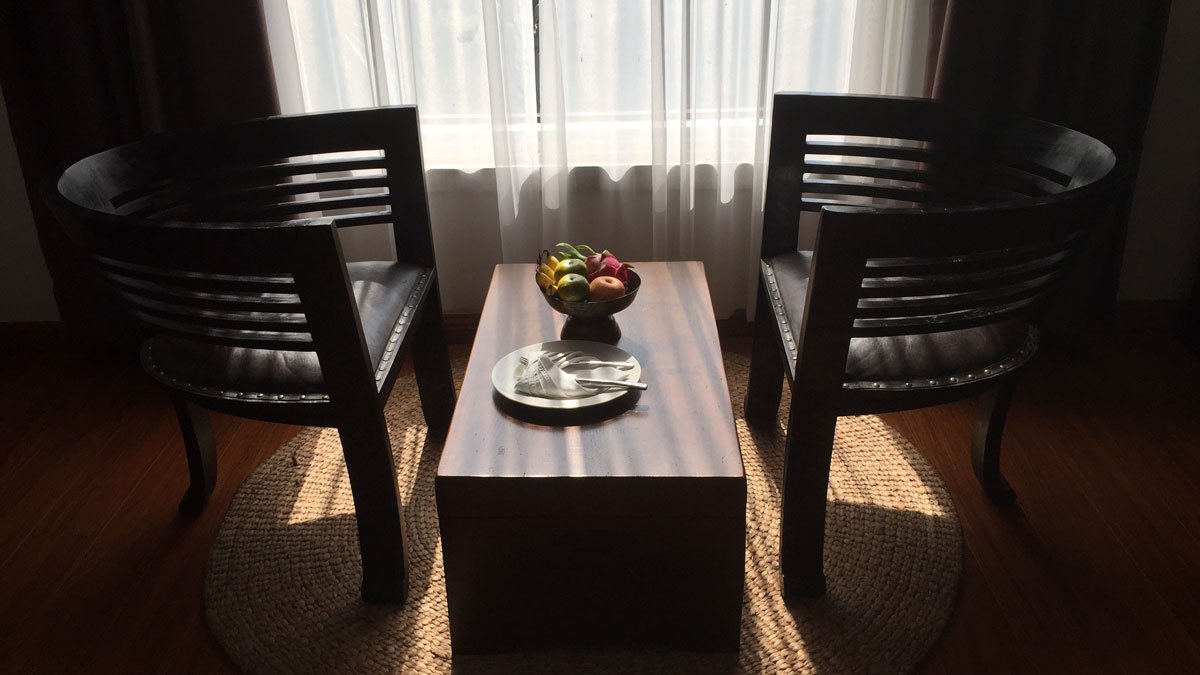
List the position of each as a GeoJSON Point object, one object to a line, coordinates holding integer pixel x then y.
{"type": "Point", "coordinates": [897, 153]}
{"type": "Point", "coordinates": [251, 145]}
{"type": "Point", "coordinates": [934, 272]}
{"type": "Point", "coordinates": [934, 217]}
{"type": "Point", "coordinates": [257, 311]}
{"type": "Point", "coordinates": [179, 283]}
{"type": "Point", "coordinates": [871, 171]}
{"type": "Point", "coordinates": [246, 193]}
{"type": "Point", "coordinates": [278, 189]}
{"type": "Point", "coordinates": [354, 168]}
{"type": "Point", "coordinates": [204, 234]}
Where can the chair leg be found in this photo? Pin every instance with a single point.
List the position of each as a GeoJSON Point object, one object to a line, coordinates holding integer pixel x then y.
{"type": "Point", "coordinates": [808, 451]}
{"type": "Point", "coordinates": [198, 443]}
{"type": "Point", "coordinates": [369, 463]}
{"type": "Point", "coordinates": [431, 363]}
{"type": "Point", "coordinates": [985, 442]}
{"type": "Point", "coordinates": [766, 367]}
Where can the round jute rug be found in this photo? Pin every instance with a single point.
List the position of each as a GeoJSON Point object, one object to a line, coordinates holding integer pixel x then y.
{"type": "Point", "coordinates": [283, 577]}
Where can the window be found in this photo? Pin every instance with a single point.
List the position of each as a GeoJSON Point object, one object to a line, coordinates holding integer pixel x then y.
{"type": "Point", "coordinates": [612, 83]}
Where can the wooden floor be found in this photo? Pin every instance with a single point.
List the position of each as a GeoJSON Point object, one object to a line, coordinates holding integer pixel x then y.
{"type": "Point", "coordinates": [1095, 569]}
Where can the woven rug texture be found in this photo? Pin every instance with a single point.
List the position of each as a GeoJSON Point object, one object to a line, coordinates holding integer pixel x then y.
{"type": "Point", "coordinates": [282, 586]}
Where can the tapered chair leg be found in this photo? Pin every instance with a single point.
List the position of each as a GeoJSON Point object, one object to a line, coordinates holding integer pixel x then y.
{"type": "Point", "coordinates": [431, 363]}
{"type": "Point", "coordinates": [765, 384]}
{"type": "Point", "coordinates": [985, 442]}
{"type": "Point", "coordinates": [201, 449]}
{"type": "Point", "coordinates": [372, 472]}
{"type": "Point", "coordinates": [809, 450]}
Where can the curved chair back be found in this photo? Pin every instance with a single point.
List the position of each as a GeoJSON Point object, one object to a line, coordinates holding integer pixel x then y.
{"type": "Point", "coordinates": [892, 152]}
{"type": "Point", "coordinates": [228, 236]}
{"type": "Point", "coordinates": [357, 167]}
{"type": "Point", "coordinates": [934, 218]}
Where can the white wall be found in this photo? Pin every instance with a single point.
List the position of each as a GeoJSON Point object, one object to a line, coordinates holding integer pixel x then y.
{"type": "Point", "coordinates": [25, 293]}
{"type": "Point", "coordinates": [1163, 244]}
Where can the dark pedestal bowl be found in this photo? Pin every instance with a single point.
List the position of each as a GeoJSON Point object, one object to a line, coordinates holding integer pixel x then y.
{"type": "Point", "coordinates": [594, 320]}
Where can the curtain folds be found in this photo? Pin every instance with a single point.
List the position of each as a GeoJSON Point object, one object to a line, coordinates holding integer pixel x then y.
{"type": "Point", "coordinates": [633, 125]}
{"type": "Point", "coordinates": [1091, 65]}
{"type": "Point", "coordinates": [81, 76]}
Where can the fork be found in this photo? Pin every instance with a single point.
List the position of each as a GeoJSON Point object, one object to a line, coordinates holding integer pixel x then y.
{"type": "Point", "coordinates": [618, 384]}
{"type": "Point", "coordinates": [564, 360]}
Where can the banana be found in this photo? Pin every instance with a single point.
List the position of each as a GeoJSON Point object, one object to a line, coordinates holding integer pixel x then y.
{"type": "Point", "coordinates": [552, 262]}
{"type": "Point", "coordinates": [544, 280]}
{"type": "Point", "coordinates": [550, 291]}
{"type": "Point", "coordinates": [548, 270]}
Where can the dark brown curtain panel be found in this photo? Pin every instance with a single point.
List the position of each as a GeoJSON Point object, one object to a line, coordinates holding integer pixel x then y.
{"type": "Point", "coordinates": [80, 76]}
{"type": "Point", "coordinates": [1091, 65]}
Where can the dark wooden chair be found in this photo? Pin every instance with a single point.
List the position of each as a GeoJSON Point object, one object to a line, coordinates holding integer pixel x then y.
{"type": "Point", "coordinates": [224, 245]}
{"type": "Point", "coordinates": [942, 231]}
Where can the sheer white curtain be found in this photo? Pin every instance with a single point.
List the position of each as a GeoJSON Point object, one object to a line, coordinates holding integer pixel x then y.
{"type": "Point", "coordinates": [640, 126]}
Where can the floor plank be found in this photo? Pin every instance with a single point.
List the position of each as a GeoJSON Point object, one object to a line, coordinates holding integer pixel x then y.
{"type": "Point", "coordinates": [1093, 569]}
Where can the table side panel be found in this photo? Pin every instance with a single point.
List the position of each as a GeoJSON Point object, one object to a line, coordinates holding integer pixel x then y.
{"type": "Point", "coordinates": [619, 497]}
{"type": "Point", "coordinates": [518, 583]}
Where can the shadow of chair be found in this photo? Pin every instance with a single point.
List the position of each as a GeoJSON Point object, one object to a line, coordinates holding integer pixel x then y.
{"type": "Point", "coordinates": [224, 245]}
{"type": "Point", "coordinates": [942, 231]}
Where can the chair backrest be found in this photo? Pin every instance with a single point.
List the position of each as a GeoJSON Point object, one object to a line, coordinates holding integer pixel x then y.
{"type": "Point", "coordinates": [228, 236]}
{"type": "Point", "coordinates": [933, 217]}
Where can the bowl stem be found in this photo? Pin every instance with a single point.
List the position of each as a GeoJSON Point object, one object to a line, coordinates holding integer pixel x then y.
{"type": "Point", "coordinates": [602, 329]}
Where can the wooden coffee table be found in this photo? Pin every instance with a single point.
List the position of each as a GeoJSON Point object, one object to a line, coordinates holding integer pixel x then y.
{"type": "Point", "coordinates": [625, 532]}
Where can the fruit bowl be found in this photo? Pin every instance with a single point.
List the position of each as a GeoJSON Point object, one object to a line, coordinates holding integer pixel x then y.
{"type": "Point", "coordinates": [598, 310]}
{"type": "Point", "coordinates": [594, 320]}
{"type": "Point", "coordinates": [588, 286]}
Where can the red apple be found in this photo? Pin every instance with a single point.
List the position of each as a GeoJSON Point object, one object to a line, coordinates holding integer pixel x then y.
{"type": "Point", "coordinates": [605, 288]}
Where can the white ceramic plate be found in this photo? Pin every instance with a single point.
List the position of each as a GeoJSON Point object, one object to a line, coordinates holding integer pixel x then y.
{"type": "Point", "coordinates": [509, 368]}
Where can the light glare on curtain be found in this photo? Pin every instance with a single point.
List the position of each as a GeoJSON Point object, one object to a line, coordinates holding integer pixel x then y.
{"type": "Point", "coordinates": [637, 125]}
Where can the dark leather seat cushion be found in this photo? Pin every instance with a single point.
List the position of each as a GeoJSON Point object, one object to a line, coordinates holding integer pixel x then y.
{"type": "Point", "coordinates": [381, 290]}
{"type": "Point", "coordinates": [903, 357]}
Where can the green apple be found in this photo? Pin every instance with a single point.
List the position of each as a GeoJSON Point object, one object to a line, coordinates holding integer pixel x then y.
{"type": "Point", "coordinates": [573, 287]}
{"type": "Point", "coordinates": [570, 266]}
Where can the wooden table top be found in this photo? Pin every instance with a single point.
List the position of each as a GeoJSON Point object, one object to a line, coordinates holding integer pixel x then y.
{"type": "Point", "coordinates": [682, 426]}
